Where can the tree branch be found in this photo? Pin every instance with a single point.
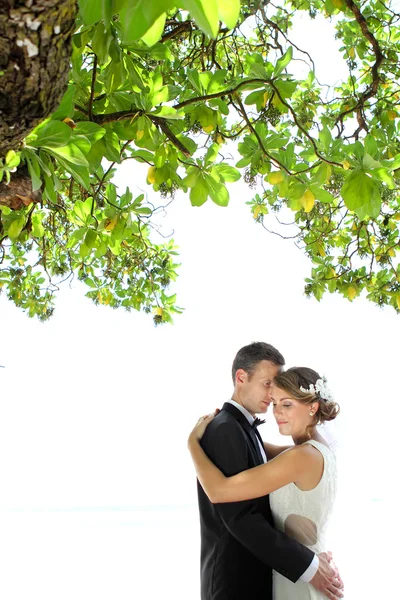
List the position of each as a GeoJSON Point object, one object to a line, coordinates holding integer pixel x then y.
{"type": "Point", "coordinates": [379, 57]}
{"type": "Point", "coordinates": [219, 94]}
{"type": "Point", "coordinates": [90, 112]}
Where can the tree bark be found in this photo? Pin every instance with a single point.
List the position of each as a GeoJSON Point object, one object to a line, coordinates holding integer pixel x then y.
{"type": "Point", "coordinates": [35, 51]}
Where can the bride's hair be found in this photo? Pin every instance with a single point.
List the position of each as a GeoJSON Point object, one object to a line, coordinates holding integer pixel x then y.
{"type": "Point", "coordinates": [297, 379]}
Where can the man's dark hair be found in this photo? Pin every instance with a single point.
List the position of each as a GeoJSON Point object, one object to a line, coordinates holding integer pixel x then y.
{"type": "Point", "coordinates": [249, 356]}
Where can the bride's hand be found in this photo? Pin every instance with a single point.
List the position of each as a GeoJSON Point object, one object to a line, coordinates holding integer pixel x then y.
{"type": "Point", "coordinates": [201, 425]}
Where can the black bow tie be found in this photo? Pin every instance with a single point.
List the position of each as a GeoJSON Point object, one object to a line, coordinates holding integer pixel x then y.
{"type": "Point", "coordinates": [257, 422]}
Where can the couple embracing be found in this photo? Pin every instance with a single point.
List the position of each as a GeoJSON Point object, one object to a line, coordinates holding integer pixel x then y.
{"type": "Point", "coordinates": [264, 508]}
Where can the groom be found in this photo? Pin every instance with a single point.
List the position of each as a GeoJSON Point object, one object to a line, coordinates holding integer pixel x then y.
{"type": "Point", "coordinates": [239, 545]}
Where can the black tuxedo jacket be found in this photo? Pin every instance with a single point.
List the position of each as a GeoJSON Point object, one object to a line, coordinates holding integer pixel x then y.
{"type": "Point", "coordinates": [239, 545]}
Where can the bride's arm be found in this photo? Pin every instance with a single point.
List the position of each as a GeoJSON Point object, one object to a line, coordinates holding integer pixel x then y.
{"type": "Point", "coordinates": [271, 450]}
{"type": "Point", "coordinates": [253, 483]}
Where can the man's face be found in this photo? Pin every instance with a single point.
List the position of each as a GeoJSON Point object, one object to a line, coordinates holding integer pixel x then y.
{"type": "Point", "coordinates": [253, 391]}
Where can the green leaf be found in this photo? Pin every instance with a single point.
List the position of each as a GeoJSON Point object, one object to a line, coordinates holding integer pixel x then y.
{"type": "Point", "coordinates": [370, 145]}
{"type": "Point", "coordinates": [193, 174]}
{"type": "Point", "coordinates": [66, 107]}
{"type": "Point", "coordinates": [283, 61]}
{"type": "Point", "coordinates": [84, 251]}
{"type": "Point", "coordinates": [217, 191]}
{"type": "Point", "coordinates": [112, 147]}
{"type": "Point", "coordinates": [49, 188]}
{"type": "Point", "coordinates": [322, 195]}
{"type": "Point", "coordinates": [76, 237]}
{"type": "Point", "coordinates": [101, 42]}
{"type": "Point", "coordinates": [385, 176]}
{"type": "Point", "coordinates": [243, 162]}
{"type": "Point", "coordinates": [228, 12]}
{"type": "Point", "coordinates": [155, 32]}
{"type": "Point", "coordinates": [82, 142]}
{"type": "Point", "coordinates": [371, 208]}
{"type": "Point", "coordinates": [92, 11]}
{"type": "Point", "coordinates": [325, 138]}
{"type": "Point", "coordinates": [167, 112]}
{"type": "Point", "coordinates": [34, 171]}
{"type": "Point", "coordinates": [37, 227]}
{"type": "Point", "coordinates": [205, 13]}
{"type": "Point", "coordinates": [216, 83]}
{"type": "Point", "coordinates": [51, 134]}
{"type": "Point", "coordinates": [275, 141]}
{"type": "Point", "coordinates": [138, 16]}
{"type": "Point", "coordinates": [143, 156]}
{"type": "Point", "coordinates": [91, 131]}
{"type": "Point", "coordinates": [199, 193]}
{"type": "Point", "coordinates": [369, 163]}
{"type": "Point", "coordinates": [211, 154]}
{"type": "Point", "coordinates": [15, 227]}
{"type": "Point", "coordinates": [80, 174]}
{"type": "Point", "coordinates": [254, 97]}
{"type": "Point", "coordinates": [71, 154]}
{"type": "Point", "coordinates": [83, 209]}
{"type": "Point", "coordinates": [227, 172]}
{"type": "Point", "coordinates": [12, 160]}
{"type": "Point", "coordinates": [360, 190]}
{"type": "Point", "coordinates": [90, 238]}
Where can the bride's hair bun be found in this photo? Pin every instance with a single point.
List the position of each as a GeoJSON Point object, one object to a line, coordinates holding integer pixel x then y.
{"type": "Point", "coordinates": [307, 386]}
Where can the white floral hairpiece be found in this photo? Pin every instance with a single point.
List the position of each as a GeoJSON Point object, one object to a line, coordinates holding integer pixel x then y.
{"type": "Point", "coordinates": [320, 389]}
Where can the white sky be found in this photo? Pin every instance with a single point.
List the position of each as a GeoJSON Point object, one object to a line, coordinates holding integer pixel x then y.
{"type": "Point", "coordinates": [96, 405]}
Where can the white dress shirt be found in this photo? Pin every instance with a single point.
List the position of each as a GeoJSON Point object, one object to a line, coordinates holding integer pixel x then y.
{"type": "Point", "coordinates": [313, 568]}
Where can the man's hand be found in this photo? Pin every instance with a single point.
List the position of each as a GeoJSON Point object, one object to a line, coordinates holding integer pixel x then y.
{"type": "Point", "coordinates": [327, 579]}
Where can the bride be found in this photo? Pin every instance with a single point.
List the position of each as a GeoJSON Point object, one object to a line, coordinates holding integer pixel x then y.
{"type": "Point", "coordinates": [300, 479]}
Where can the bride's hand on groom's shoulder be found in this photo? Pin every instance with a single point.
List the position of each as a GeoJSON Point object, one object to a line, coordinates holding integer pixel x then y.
{"type": "Point", "coordinates": [327, 579]}
{"type": "Point", "coordinates": [201, 425]}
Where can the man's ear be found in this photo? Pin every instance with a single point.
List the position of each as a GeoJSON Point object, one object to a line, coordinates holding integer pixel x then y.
{"type": "Point", "coordinates": [240, 376]}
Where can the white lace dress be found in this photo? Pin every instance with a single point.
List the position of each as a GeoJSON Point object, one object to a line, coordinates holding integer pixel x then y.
{"type": "Point", "coordinates": [304, 516]}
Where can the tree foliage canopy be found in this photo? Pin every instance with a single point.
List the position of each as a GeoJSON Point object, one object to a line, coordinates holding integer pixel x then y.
{"type": "Point", "coordinates": [174, 84]}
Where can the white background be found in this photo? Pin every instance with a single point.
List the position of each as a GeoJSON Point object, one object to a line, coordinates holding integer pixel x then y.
{"type": "Point", "coordinates": [97, 489]}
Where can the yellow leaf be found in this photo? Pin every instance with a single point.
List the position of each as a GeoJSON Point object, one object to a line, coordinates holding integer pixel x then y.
{"type": "Point", "coordinates": [110, 223]}
{"type": "Point", "coordinates": [321, 250]}
{"type": "Point", "coordinates": [256, 211]}
{"type": "Point", "coordinates": [391, 252]}
{"type": "Point", "coordinates": [397, 217]}
{"type": "Point", "coordinates": [352, 52]}
{"type": "Point", "coordinates": [140, 134]}
{"type": "Point", "coordinates": [346, 165]}
{"type": "Point", "coordinates": [398, 301]}
{"type": "Point", "coordinates": [352, 292]}
{"type": "Point", "coordinates": [392, 115]}
{"type": "Point", "coordinates": [275, 177]}
{"type": "Point", "coordinates": [208, 128]}
{"type": "Point", "coordinates": [265, 98]}
{"type": "Point", "coordinates": [70, 122]}
{"type": "Point", "coordinates": [220, 140]}
{"type": "Point", "coordinates": [158, 311]}
{"type": "Point", "coordinates": [308, 201]}
{"type": "Point", "coordinates": [328, 173]}
{"type": "Point", "coordinates": [151, 175]}
{"type": "Point", "coordinates": [339, 4]}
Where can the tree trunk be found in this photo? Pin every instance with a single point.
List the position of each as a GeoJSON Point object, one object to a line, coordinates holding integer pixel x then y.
{"type": "Point", "coordinates": [35, 50]}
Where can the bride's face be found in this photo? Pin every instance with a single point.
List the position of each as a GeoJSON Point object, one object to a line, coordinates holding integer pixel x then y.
{"type": "Point", "coordinates": [292, 416]}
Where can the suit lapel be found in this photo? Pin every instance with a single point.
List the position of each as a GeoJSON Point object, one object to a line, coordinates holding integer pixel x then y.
{"type": "Point", "coordinates": [251, 434]}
